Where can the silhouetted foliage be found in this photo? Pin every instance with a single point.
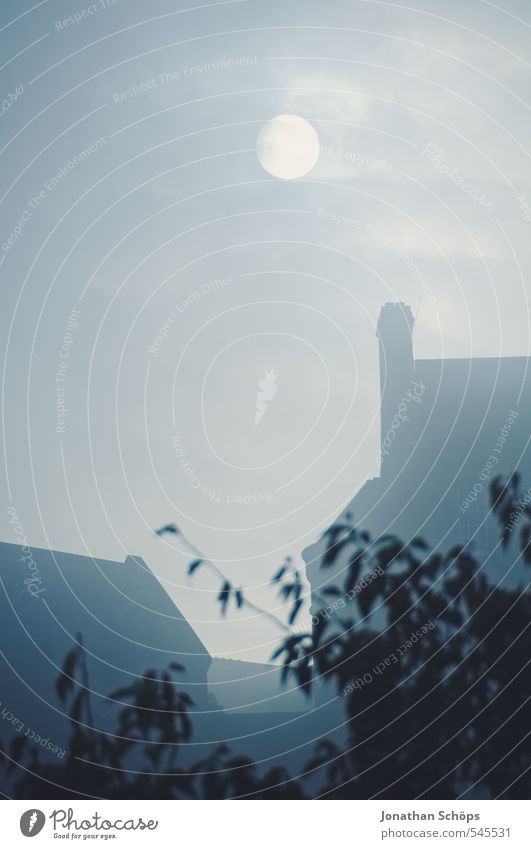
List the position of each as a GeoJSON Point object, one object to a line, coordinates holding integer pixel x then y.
{"type": "Point", "coordinates": [140, 759]}
{"type": "Point", "coordinates": [428, 658]}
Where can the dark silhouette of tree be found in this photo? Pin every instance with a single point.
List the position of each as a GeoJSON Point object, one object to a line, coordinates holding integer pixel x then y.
{"type": "Point", "coordinates": [140, 759]}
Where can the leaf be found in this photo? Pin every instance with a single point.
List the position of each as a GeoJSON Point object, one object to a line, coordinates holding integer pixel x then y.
{"type": "Point", "coordinates": [75, 711]}
{"type": "Point", "coordinates": [391, 552]}
{"type": "Point", "coordinates": [525, 537]}
{"type": "Point", "coordinates": [294, 611]}
{"type": "Point", "coordinates": [286, 590]}
{"type": "Point", "coordinates": [279, 575]}
{"type": "Point", "coordinates": [418, 542]}
{"type": "Point", "coordinates": [16, 750]}
{"type": "Point", "coordinates": [432, 566]}
{"type": "Point", "coordinates": [121, 693]}
{"type": "Point", "coordinates": [64, 682]}
{"type": "Point", "coordinates": [224, 596]}
{"type": "Point", "coordinates": [499, 490]}
{"type": "Point", "coordinates": [178, 667]}
{"type": "Point", "coordinates": [167, 529]}
{"type": "Point", "coordinates": [354, 568]}
{"type": "Point", "coordinates": [324, 751]}
{"type": "Point", "coordinates": [277, 652]}
{"type": "Point", "coordinates": [467, 566]}
{"type": "Point", "coordinates": [332, 552]}
{"type": "Point", "coordinates": [455, 553]}
{"type": "Point", "coordinates": [239, 598]}
{"type": "Point", "coordinates": [337, 537]}
{"type": "Point", "coordinates": [318, 629]}
{"type": "Point", "coordinates": [193, 566]}
{"type": "Point", "coordinates": [289, 646]}
{"type": "Point", "coordinates": [186, 726]}
{"type": "Point", "coordinates": [453, 616]}
{"type": "Point", "coordinates": [304, 677]}
{"type": "Point", "coordinates": [367, 597]}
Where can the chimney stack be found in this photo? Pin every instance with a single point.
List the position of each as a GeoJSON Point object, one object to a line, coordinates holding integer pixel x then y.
{"type": "Point", "coordinates": [394, 332]}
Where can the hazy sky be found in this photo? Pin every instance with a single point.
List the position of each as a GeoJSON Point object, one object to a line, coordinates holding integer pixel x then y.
{"type": "Point", "coordinates": [130, 182]}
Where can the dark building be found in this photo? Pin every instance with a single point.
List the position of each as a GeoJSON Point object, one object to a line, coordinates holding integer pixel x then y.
{"type": "Point", "coordinates": [128, 625]}
{"type": "Point", "coordinates": [127, 622]}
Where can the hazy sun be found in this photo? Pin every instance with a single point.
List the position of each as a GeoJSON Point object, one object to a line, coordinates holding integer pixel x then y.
{"type": "Point", "coordinates": [287, 147]}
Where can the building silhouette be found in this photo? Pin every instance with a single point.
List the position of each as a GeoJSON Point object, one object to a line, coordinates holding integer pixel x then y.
{"type": "Point", "coordinates": [129, 627]}
{"type": "Point", "coordinates": [448, 427]}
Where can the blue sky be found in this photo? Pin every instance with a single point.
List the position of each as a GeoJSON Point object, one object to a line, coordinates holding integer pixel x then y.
{"type": "Point", "coordinates": [147, 116]}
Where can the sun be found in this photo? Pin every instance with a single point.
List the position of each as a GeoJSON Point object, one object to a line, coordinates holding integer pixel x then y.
{"type": "Point", "coordinates": [287, 147]}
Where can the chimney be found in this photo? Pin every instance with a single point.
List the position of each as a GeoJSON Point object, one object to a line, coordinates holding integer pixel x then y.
{"type": "Point", "coordinates": [394, 332]}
